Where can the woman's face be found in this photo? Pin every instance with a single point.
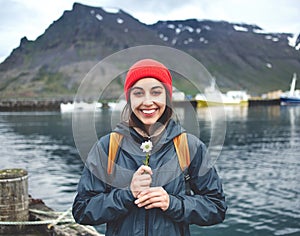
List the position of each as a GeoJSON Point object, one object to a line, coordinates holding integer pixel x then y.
{"type": "Point", "coordinates": [148, 100]}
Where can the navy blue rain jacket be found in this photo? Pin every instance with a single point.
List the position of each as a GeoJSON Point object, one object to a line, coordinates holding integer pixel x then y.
{"type": "Point", "coordinates": [104, 198]}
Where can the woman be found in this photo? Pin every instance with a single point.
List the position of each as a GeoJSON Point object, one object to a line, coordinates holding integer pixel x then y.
{"type": "Point", "coordinates": [148, 196]}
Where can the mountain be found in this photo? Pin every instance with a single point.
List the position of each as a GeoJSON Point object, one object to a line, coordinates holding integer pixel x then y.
{"type": "Point", "coordinates": [239, 56]}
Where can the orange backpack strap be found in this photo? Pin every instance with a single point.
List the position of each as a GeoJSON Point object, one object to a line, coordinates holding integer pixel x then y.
{"type": "Point", "coordinates": [114, 143]}
{"type": "Point", "coordinates": [182, 150]}
{"type": "Point", "coordinates": [180, 143]}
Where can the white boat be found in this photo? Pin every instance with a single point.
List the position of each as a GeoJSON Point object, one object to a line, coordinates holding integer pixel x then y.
{"type": "Point", "coordinates": [79, 106]}
{"type": "Point", "coordinates": [292, 96]}
{"type": "Point", "coordinates": [213, 97]}
{"type": "Point", "coordinates": [117, 106]}
{"type": "Point", "coordinates": [177, 95]}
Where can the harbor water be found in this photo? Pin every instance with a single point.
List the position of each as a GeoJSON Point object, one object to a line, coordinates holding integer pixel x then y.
{"type": "Point", "coordinates": [259, 163]}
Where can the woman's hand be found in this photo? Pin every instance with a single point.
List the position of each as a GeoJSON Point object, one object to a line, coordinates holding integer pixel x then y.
{"type": "Point", "coordinates": [141, 180]}
{"type": "Point", "coordinates": [155, 197]}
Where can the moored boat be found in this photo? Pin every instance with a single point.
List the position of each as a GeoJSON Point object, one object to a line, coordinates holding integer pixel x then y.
{"type": "Point", "coordinates": [292, 96]}
{"type": "Point", "coordinates": [213, 97]}
{"type": "Point", "coordinates": [79, 106]}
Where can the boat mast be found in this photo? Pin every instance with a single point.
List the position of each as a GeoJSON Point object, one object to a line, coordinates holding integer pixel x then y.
{"type": "Point", "coordinates": [293, 85]}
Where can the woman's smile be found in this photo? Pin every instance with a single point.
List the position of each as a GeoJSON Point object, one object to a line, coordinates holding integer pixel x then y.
{"type": "Point", "coordinates": [149, 112]}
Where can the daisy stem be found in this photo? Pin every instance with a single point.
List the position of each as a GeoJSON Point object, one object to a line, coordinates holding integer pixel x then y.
{"type": "Point", "coordinates": [146, 161]}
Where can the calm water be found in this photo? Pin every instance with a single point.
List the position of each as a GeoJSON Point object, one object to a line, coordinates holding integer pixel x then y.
{"type": "Point", "coordinates": [259, 164]}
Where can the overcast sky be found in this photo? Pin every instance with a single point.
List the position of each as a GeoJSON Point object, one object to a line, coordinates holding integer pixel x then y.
{"type": "Point", "coordinates": [31, 18]}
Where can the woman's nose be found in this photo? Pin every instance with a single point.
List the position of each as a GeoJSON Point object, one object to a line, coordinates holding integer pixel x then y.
{"type": "Point", "coordinates": [148, 100]}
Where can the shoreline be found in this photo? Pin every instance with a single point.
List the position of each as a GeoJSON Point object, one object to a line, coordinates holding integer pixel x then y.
{"type": "Point", "coordinates": [54, 105]}
{"type": "Point", "coordinates": [30, 105]}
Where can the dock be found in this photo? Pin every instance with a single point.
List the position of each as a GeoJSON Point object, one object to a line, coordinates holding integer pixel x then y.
{"type": "Point", "coordinates": [45, 221]}
{"type": "Point", "coordinates": [62, 223]}
{"type": "Point", "coordinates": [20, 214]}
{"type": "Point", "coordinates": [263, 102]}
{"type": "Point", "coordinates": [30, 105]}
{"type": "Point", "coordinates": [184, 103]}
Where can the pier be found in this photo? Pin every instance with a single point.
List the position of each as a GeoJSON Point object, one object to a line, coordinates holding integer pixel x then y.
{"type": "Point", "coordinates": [20, 214]}
{"type": "Point", "coordinates": [264, 102]}
{"type": "Point", "coordinates": [30, 105]}
{"type": "Point", "coordinates": [54, 105]}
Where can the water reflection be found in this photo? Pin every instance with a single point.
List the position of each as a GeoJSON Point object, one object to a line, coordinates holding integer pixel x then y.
{"type": "Point", "coordinates": [42, 144]}
{"type": "Point", "coordinates": [230, 112]}
{"type": "Point", "coordinates": [260, 168]}
{"type": "Point", "coordinates": [259, 162]}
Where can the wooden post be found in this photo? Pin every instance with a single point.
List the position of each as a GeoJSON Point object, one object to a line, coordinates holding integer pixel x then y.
{"type": "Point", "coordinates": [13, 198]}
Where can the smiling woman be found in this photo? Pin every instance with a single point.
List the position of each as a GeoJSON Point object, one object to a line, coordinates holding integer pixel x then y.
{"type": "Point", "coordinates": [148, 101]}
{"type": "Point", "coordinates": [162, 194]}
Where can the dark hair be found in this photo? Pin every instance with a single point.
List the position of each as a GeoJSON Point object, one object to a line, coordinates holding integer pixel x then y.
{"type": "Point", "coordinates": [132, 120]}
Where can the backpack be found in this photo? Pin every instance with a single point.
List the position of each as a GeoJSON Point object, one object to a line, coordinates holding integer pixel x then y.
{"type": "Point", "coordinates": [181, 147]}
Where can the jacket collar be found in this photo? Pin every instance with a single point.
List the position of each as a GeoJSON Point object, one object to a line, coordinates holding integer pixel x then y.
{"type": "Point", "coordinates": [170, 131]}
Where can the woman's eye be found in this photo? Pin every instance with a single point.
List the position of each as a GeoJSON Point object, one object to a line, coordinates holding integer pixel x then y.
{"type": "Point", "coordinates": [137, 93]}
{"type": "Point", "coordinates": [156, 92]}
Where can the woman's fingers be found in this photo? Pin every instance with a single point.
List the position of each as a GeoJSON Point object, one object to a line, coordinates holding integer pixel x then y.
{"type": "Point", "coordinates": [141, 180]}
{"type": "Point", "coordinates": [155, 197]}
{"type": "Point", "coordinates": [144, 169]}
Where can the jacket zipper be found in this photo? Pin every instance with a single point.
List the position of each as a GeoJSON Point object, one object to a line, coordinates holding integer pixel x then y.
{"type": "Point", "coordinates": [146, 223]}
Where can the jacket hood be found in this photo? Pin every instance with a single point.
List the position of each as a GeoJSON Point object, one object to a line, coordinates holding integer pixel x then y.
{"type": "Point", "coordinates": [171, 130]}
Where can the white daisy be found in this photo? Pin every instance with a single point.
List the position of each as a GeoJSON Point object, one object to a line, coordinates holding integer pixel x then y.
{"type": "Point", "coordinates": [146, 146]}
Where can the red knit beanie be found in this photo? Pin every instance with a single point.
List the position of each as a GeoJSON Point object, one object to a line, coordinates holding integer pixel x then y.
{"type": "Point", "coordinates": [148, 68]}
